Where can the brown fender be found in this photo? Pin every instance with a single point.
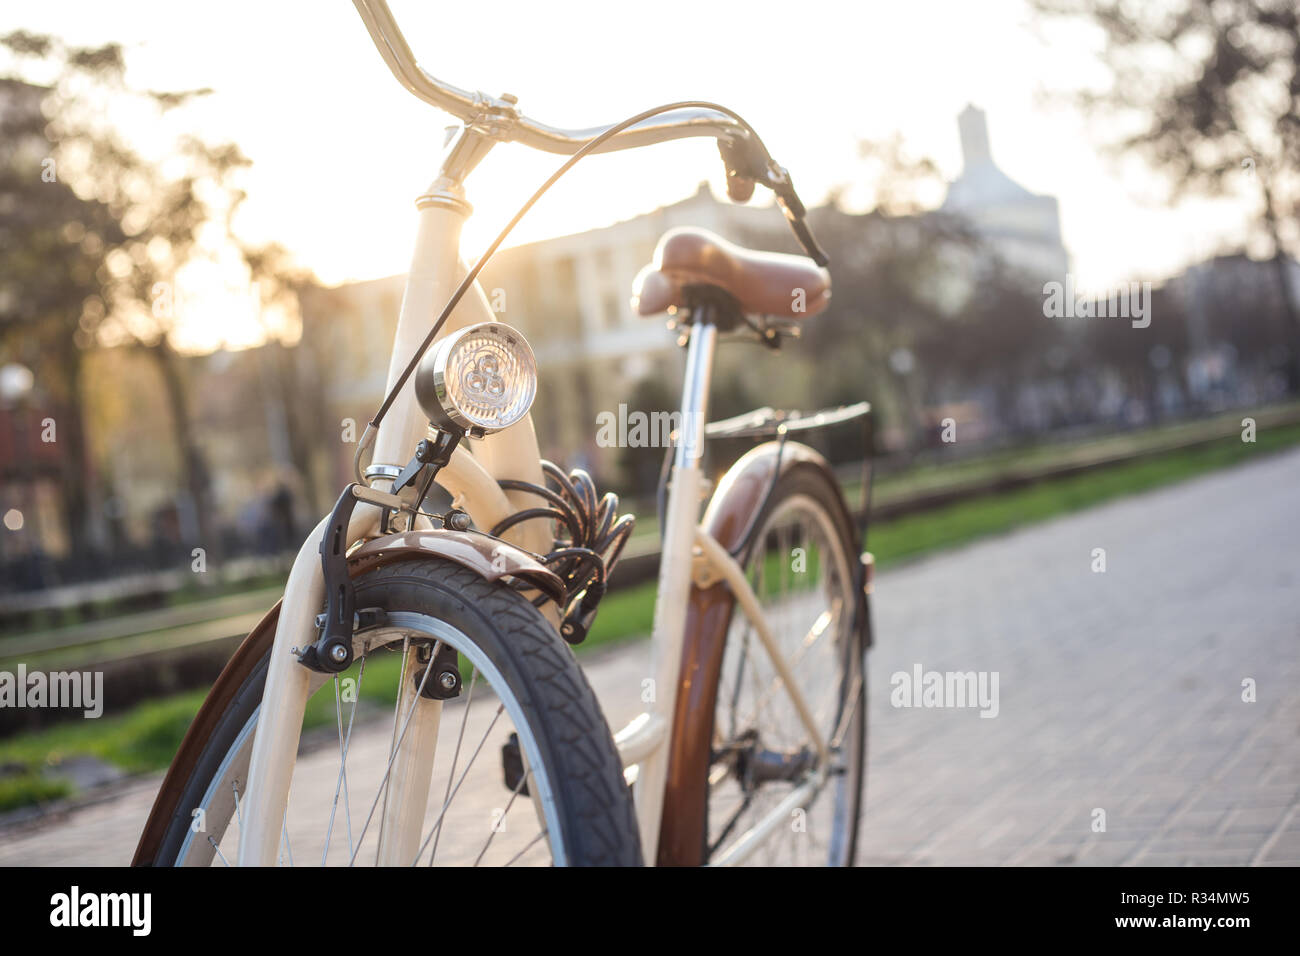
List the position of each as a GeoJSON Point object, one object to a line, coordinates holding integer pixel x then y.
{"type": "Point", "coordinates": [490, 558]}
{"type": "Point", "coordinates": [733, 508]}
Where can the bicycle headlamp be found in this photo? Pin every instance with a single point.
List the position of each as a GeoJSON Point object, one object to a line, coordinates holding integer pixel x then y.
{"type": "Point", "coordinates": [478, 380]}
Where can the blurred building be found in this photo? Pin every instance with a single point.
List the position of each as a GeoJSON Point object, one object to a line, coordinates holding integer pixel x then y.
{"type": "Point", "coordinates": [1021, 228]}
{"type": "Point", "coordinates": [571, 296]}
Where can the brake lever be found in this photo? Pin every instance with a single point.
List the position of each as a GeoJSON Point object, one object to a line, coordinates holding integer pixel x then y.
{"type": "Point", "coordinates": [795, 213]}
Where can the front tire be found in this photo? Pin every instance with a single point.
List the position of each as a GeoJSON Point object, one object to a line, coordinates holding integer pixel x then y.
{"type": "Point", "coordinates": [571, 800]}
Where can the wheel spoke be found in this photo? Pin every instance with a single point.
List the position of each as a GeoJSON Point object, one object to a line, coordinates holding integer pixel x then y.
{"type": "Point", "coordinates": [523, 778]}
{"type": "Point", "coordinates": [478, 813]}
{"type": "Point", "coordinates": [531, 844]}
{"type": "Point", "coordinates": [214, 846]}
{"type": "Point", "coordinates": [814, 634]}
{"type": "Point", "coordinates": [392, 753]}
{"type": "Point", "coordinates": [344, 741]}
{"type": "Point", "coordinates": [455, 757]}
{"type": "Point", "coordinates": [443, 812]}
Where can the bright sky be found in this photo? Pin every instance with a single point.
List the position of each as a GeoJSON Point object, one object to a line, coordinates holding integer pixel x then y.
{"type": "Point", "coordinates": [341, 151]}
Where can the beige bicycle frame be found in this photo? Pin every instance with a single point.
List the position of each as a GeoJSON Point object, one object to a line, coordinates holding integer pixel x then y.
{"type": "Point", "coordinates": [471, 478]}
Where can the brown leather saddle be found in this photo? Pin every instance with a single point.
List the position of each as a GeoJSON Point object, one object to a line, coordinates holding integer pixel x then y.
{"type": "Point", "coordinates": [761, 283]}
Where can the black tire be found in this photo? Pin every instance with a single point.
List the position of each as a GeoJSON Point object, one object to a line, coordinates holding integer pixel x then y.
{"type": "Point", "coordinates": [594, 805]}
{"type": "Point", "coordinates": [815, 485]}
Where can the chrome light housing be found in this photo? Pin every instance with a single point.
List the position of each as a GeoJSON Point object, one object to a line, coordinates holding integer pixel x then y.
{"type": "Point", "coordinates": [478, 380]}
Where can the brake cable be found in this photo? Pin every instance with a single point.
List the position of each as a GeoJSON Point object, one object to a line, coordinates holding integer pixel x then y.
{"type": "Point", "coordinates": [781, 186]}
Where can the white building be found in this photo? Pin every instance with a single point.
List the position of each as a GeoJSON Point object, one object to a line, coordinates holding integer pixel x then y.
{"type": "Point", "coordinates": [1022, 228]}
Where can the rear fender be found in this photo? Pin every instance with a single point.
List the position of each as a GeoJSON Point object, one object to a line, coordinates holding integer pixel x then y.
{"type": "Point", "coordinates": [732, 512]}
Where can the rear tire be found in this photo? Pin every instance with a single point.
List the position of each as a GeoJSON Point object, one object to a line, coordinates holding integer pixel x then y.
{"type": "Point", "coordinates": [802, 566]}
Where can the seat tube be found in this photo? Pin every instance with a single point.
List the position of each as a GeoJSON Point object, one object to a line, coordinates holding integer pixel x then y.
{"type": "Point", "coordinates": [681, 517]}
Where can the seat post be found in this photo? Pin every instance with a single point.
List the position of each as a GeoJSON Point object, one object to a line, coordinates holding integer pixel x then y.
{"type": "Point", "coordinates": [695, 388]}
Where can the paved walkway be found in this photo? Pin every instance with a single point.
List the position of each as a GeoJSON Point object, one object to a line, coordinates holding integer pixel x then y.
{"type": "Point", "coordinates": [1119, 692]}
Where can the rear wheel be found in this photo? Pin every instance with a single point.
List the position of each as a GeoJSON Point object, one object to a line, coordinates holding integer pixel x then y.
{"type": "Point", "coordinates": [525, 771]}
{"type": "Point", "coordinates": [802, 568]}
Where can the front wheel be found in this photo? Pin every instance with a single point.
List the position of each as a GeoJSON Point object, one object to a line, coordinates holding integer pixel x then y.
{"type": "Point", "coordinates": [525, 770]}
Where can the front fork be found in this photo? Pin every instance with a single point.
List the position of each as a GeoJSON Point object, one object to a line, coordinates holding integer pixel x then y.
{"type": "Point", "coordinates": [284, 700]}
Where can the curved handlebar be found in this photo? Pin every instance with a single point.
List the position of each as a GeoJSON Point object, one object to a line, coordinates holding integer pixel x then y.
{"type": "Point", "coordinates": [467, 106]}
{"type": "Point", "coordinates": [746, 159]}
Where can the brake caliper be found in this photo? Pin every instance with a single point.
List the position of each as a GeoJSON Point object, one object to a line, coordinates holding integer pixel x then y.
{"type": "Point", "coordinates": [331, 652]}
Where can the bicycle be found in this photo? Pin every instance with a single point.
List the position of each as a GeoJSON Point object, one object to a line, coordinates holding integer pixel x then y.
{"type": "Point", "coordinates": [756, 722]}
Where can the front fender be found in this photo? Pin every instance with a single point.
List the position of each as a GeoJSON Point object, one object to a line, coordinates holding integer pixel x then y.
{"type": "Point", "coordinates": [490, 558]}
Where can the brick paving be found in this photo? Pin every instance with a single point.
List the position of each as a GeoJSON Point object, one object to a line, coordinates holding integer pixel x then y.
{"type": "Point", "coordinates": [1119, 691]}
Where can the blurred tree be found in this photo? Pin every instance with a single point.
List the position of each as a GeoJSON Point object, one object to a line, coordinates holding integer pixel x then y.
{"type": "Point", "coordinates": [295, 383]}
{"type": "Point", "coordinates": [141, 220]}
{"type": "Point", "coordinates": [1211, 90]}
{"type": "Point", "coordinates": [887, 301]}
{"type": "Point", "coordinates": [1110, 343]}
{"type": "Point", "coordinates": [53, 246]}
{"type": "Point", "coordinates": [996, 336]}
{"type": "Point", "coordinates": [901, 273]}
{"type": "Point", "coordinates": [1241, 306]}
{"type": "Point", "coordinates": [900, 184]}
{"type": "Point", "coordinates": [160, 217]}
